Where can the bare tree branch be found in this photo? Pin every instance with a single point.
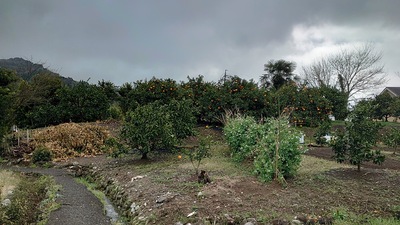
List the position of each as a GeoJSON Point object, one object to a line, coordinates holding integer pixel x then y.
{"type": "Point", "coordinates": [352, 70]}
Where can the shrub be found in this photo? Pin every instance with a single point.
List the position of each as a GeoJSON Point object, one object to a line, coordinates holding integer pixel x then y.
{"type": "Point", "coordinates": [242, 135]}
{"type": "Point", "coordinates": [24, 207]}
{"type": "Point", "coordinates": [182, 115]}
{"type": "Point", "coordinates": [149, 128]}
{"type": "Point", "coordinates": [278, 151]}
{"type": "Point", "coordinates": [115, 112]}
{"type": "Point", "coordinates": [392, 138]}
{"type": "Point", "coordinates": [41, 154]}
{"type": "Point", "coordinates": [274, 146]}
{"type": "Point", "coordinates": [114, 147]}
{"type": "Point", "coordinates": [322, 130]}
{"type": "Point", "coordinates": [198, 153]}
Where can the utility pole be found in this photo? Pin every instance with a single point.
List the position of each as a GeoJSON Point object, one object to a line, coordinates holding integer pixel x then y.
{"type": "Point", "coordinates": [225, 76]}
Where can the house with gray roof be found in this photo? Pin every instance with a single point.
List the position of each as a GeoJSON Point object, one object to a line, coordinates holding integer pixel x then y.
{"type": "Point", "coordinates": [392, 91]}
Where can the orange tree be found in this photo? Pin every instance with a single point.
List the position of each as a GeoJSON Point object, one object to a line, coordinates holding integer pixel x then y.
{"type": "Point", "coordinates": [356, 143]}
{"type": "Point", "coordinates": [308, 105]}
{"type": "Point", "coordinates": [243, 95]}
{"type": "Point", "coordinates": [206, 98]}
{"type": "Point", "coordinates": [232, 93]}
{"type": "Point", "coordinates": [163, 90]}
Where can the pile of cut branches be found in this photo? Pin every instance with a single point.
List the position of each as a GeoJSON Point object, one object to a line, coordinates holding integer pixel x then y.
{"type": "Point", "coordinates": [71, 140]}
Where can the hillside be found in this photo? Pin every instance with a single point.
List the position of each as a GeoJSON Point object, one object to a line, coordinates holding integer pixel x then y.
{"type": "Point", "coordinates": [27, 69]}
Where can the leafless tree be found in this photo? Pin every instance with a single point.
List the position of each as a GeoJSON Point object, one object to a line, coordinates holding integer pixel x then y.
{"type": "Point", "coordinates": [352, 70]}
{"type": "Point", "coordinates": [319, 74]}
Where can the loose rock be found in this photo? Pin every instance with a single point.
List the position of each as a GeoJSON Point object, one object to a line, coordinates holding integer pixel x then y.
{"type": "Point", "coordinates": [6, 202]}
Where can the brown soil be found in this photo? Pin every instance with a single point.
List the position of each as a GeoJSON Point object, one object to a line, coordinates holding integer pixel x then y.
{"type": "Point", "coordinates": [235, 194]}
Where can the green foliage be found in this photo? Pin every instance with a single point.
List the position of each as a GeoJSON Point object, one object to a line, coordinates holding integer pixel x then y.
{"type": "Point", "coordinates": [149, 128]}
{"type": "Point", "coordinates": [308, 105]}
{"type": "Point", "coordinates": [384, 106]}
{"type": "Point", "coordinates": [206, 99]}
{"type": "Point", "coordinates": [278, 73]}
{"type": "Point", "coordinates": [198, 153]}
{"type": "Point", "coordinates": [322, 130]}
{"type": "Point", "coordinates": [8, 88]}
{"type": "Point", "coordinates": [392, 138]}
{"type": "Point", "coordinates": [337, 99]}
{"type": "Point", "coordinates": [126, 99]}
{"type": "Point", "coordinates": [37, 101]}
{"type": "Point", "coordinates": [157, 126]}
{"type": "Point", "coordinates": [82, 103]}
{"type": "Point", "coordinates": [115, 112]}
{"type": "Point", "coordinates": [161, 90]}
{"type": "Point", "coordinates": [242, 135]}
{"type": "Point", "coordinates": [25, 204]}
{"type": "Point", "coordinates": [114, 147]}
{"type": "Point", "coordinates": [41, 154]}
{"type": "Point", "coordinates": [279, 153]}
{"type": "Point", "coordinates": [242, 95]}
{"type": "Point", "coordinates": [181, 114]}
{"type": "Point", "coordinates": [361, 134]}
{"type": "Point", "coordinates": [274, 146]}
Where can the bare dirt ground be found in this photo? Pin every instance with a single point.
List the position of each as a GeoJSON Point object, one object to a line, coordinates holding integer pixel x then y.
{"type": "Point", "coordinates": [166, 190]}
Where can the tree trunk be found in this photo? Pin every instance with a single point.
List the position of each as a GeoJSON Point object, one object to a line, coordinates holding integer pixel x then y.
{"type": "Point", "coordinates": [144, 155]}
{"type": "Point", "coordinates": [358, 167]}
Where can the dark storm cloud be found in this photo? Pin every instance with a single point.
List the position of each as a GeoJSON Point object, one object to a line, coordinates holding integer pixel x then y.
{"type": "Point", "coordinates": [129, 40]}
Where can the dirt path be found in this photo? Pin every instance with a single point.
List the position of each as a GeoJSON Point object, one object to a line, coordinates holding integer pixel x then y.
{"type": "Point", "coordinates": [78, 205]}
{"type": "Point", "coordinates": [327, 153]}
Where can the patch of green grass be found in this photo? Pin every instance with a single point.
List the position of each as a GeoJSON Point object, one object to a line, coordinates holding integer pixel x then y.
{"type": "Point", "coordinates": [311, 165]}
{"type": "Point", "coordinates": [92, 188]}
{"type": "Point", "coordinates": [342, 216]}
{"type": "Point", "coordinates": [49, 204]}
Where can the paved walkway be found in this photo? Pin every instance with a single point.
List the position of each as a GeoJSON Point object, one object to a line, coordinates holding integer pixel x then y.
{"type": "Point", "coordinates": [78, 205]}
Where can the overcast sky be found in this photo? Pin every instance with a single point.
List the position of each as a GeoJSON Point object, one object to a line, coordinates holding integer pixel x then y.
{"type": "Point", "coordinates": [125, 41]}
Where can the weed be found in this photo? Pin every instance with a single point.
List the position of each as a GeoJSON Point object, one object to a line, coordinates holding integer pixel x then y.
{"type": "Point", "coordinates": [25, 207]}
{"type": "Point", "coordinates": [41, 155]}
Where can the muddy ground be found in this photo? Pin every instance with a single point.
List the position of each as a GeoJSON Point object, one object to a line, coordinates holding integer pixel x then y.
{"type": "Point", "coordinates": [166, 191]}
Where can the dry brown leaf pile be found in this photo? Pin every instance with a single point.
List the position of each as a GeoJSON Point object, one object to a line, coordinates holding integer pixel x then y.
{"type": "Point", "coordinates": [71, 140]}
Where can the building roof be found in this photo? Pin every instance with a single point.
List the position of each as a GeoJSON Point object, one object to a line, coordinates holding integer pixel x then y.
{"type": "Point", "coordinates": [394, 91]}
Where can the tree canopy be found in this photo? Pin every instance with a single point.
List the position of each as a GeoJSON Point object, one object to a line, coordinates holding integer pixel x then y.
{"type": "Point", "coordinates": [278, 73]}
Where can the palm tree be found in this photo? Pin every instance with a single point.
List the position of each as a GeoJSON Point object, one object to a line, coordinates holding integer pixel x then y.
{"type": "Point", "coordinates": [278, 73]}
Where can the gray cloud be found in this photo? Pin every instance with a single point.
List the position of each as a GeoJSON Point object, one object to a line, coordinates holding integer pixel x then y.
{"type": "Point", "coordinates": [124, 41]}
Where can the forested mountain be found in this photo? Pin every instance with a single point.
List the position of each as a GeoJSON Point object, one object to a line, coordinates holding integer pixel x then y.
{"type": "Point", "coordinates": [27, 69]}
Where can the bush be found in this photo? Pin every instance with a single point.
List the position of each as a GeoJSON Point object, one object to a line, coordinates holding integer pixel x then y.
{"type": "Point", "coordinates": [279, 153]}
{"type": "Point", "coordinates": [25, 204]}
{"type": "Point", "coordinates": [115, 112]}
{"type": "Point", "coordinates": [242, 135]}
{"type": "Point", "coordinates": [392, 138]}
{"type": "Point", "coordinates": [274, 146]}
{"type": "Point", "coordinates": [182, 115]}
{"type": "Point", "coordinates": [322, 130]}
{"type": "Point", "coordinates": [149, 128]}
{"type": "Point", "coordinates": [41, 154]}
{"type": "Point", "coordinates": [198, 153]}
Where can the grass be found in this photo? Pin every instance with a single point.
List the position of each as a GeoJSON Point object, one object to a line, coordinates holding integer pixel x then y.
{"type": "Point", "coordinates": [100, 195]}
{"type": "Point", "coordinates": [8, 181]}
{"type": "Point", "coordinates": [49, 204]}
{"type": "Point", "coordinates": [32, 200]}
